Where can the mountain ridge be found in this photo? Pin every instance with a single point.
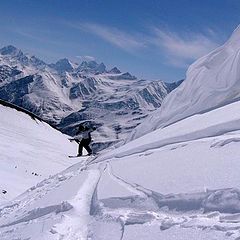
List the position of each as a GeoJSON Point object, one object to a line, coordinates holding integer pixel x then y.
{"type": "Point", "coordinates": [58, 91]}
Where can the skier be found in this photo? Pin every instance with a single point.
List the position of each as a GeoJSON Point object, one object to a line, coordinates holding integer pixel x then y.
{"type": "Point", "coordinates": [84, 133]}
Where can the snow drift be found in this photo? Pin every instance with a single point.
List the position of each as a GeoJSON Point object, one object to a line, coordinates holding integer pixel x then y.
{"type": "Point", "coordinates": [212, 81]}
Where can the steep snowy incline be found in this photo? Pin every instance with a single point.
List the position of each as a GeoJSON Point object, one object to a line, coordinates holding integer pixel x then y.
{"type": "Point", "coordinates": [212, 81]}
{"type": "Point", "coordinates": [30, 150]}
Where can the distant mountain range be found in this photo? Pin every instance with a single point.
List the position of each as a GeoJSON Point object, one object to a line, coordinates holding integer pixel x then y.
{"type": "Point", "coordinates": [66, 93]}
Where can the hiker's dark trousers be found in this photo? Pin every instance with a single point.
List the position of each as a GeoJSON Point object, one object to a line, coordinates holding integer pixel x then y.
{"type": "Point", "coordinates": [84, 143]}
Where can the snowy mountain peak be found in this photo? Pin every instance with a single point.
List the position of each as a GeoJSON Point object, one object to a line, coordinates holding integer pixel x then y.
{"type": "Point", "coordinates": [89, 64]}
{"type": "Point", "coordinates": [36, 61]}
{"type": "Point", "coordinates": [91, 67]}
{"type": "Point", "coordinates": [127, 75]}
{"type": "Point", "coordinates": [10, 50]}
{"type": "Point", "coordinates": [114, 70]}
{"type": "Point", "coordinates": [101, 68]}
{"type": "Point", "coordinates": [63, 65]}
{"type": "Point", "coordinates": [14, 57]}
{"type": "Point", "coordinates": [123, 76]}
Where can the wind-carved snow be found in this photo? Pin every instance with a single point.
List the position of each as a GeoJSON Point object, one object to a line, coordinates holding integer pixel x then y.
{"type": "Point", "coordinates": [186, 211]}
{"type": "Point", "coordinates": [212, 81]}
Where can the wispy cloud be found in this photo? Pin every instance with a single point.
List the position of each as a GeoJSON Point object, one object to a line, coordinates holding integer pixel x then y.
{"type": "Point", "coordinates": [126, 41]}
{"type": "Point", "coordinates": [180, 50]}
{"type": "Point", "coordinates": [86, 58]}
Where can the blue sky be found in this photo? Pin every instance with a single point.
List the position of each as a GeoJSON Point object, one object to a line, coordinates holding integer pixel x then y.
{"type": "Point", "coordinates": [152, 39]}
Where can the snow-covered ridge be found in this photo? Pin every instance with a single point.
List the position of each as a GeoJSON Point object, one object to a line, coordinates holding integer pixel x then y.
{"type": "Point", "coordinates": [212, 81]}
{"type": "Point", "coordinates": [30, 150]}
{"type": "Point", "coordinates": [10, 105]}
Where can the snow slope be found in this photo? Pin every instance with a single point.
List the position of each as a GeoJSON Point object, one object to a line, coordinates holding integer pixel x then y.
{"type": "Point", "coordinates": [212, 81]}
{"type": "Point", "coordinates": [179, 182]}
{"type": "Point", "coordinates": [30, 151]}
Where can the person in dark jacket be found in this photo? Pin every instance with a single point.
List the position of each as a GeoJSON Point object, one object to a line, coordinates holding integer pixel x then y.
{"type": "Point", "coordinates": [84, 133]}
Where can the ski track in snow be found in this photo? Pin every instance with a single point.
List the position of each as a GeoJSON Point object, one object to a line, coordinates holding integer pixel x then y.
{"type": "Point", "coordinates": [75, 224]}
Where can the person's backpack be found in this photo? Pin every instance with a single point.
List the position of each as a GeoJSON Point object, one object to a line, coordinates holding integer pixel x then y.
{"type": "Point", "coordinates": [81, 128]}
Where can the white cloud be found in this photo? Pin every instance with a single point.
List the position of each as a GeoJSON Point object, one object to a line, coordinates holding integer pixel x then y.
{"type": "Point", "coordinates": [180, 50]}
{"type": "Point", "coordinates": [86, 58]}
{"type": "Point", "coordinates": [119, 38]}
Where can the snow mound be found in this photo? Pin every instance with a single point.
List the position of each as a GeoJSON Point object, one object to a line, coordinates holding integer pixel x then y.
{"type": "Point", "coordinates": [212, 81]}
{"type": "Point", "coordinates": [223, 200]}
